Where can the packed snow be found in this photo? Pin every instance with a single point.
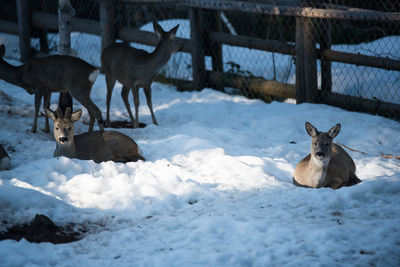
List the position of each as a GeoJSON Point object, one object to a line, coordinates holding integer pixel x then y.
{"type": "Point", "coordinates": [215, 190]}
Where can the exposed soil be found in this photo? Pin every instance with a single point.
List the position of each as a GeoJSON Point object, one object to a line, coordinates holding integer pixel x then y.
{"type": "Point", "coordinates": [42, 229]}
{"type": "Point", "coordinates": [125, 124]}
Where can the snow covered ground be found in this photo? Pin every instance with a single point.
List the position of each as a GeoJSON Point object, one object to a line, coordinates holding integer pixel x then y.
{"type": "Point", "coordinates": [216, 189]}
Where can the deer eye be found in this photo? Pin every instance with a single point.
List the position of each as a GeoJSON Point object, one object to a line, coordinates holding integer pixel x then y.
{"type": "Point", "coordinates": [315, 143]}
{"type": "Point", "coordinates": [57, 128]}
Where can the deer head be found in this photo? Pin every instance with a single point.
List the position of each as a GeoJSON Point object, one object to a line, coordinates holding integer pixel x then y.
{"type": "Point", "coordinates": [64, 125]}
{"type": "Point", "coordinates": [321, 144]}
{"type": "Point", "coordinates": [167, 39]}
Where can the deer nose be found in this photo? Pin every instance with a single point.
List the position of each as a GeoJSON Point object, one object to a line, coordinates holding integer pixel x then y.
{"type": "Point", "coordinates": [319, 154]}
{"type": "Point", "coordinates": [63, 139]}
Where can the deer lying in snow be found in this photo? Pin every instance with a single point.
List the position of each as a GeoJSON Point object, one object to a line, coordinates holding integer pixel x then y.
{"type": "Point", "coordinates": [98, 146]}
{"type": "Point", "coordinates": [4, 159]}
{"type": "Point", "coordinates": [56, 73]}
{"type": "Point", "coordinates": [135, 68]}
{"type": "Point", "coordinates": [328, 165]}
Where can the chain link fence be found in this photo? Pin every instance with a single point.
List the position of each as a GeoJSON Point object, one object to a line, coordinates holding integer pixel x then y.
{"type": "Point", "coordinates": [249, 63]}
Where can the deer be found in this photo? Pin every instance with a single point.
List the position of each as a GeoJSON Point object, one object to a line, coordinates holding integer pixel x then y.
{"type": "Point", "coordinates": [56, 73]}
{"type": "Point", "coordinates": [136, 68]}
{"type": "Point", "coordinates": [98, 146]}
{"type": "Point", "coordinates": [5, 161]}
{"type": "Point", "coordinates": [328, 164]}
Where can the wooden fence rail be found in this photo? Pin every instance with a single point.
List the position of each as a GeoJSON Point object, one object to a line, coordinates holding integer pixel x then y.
{"type": "Point", "coordinates": [207, 39]}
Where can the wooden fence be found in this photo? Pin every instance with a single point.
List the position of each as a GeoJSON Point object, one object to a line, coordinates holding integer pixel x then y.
{"type": "Point", "coordinates": [205, 20]}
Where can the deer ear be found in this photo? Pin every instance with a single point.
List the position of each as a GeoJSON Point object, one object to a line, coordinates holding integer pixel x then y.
{"type": "Point", "coordinates": [334, 131]}
{"type": "Point", "coordinates": [172, 33]}
{"type": "Point", "coordinates": [157, 29]}
{"type": "Point", "coordinates": [76, 115]}
{"type": "Point", "coordinates": [50, 114]}
{"type": "Point", "coordinates": [311, 130]}
{"type": "Point", "coordinates": [2, 50]}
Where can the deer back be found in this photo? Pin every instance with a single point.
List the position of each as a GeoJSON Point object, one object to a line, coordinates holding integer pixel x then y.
{"type": "Point", "coordinates": [126, 64]}
{"type": "Point", "coordinates": [341, 167]}
{"type": "Point", "coordinates": [105, 146]}
{"type": "Point", "coordinates": [57, 73]}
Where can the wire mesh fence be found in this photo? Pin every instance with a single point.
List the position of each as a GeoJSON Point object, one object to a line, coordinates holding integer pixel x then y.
{"type": "Point", "coordinates": [358, 66]}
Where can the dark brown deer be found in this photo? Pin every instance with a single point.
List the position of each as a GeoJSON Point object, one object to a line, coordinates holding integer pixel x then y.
{"type": "Point", "coordinates": [96, 145]}
{"type": "Point", "coordinates": [57, 73]}
{"type": "Point", "coordinates": [328, 165]}
{"type": "Point", "coordinates": [135, 68]}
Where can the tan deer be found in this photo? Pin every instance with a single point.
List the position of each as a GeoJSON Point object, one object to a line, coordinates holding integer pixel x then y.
{"type": "Point", "coordinates": [97, 145]}
{"type": "Point", "coordinates": [5, 161]}
{"type": "Point", "coordinates": [328, 165]}
{"type": "Point", "coordinates": [135, 68]}
{"type": "Point", "coordinates": [57, 73]}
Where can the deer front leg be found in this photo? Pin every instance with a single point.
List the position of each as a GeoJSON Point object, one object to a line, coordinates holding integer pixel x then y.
{"type": "Point", "coordinates": [147, 92]}
{"type": "Point", "coordinates": [124, 95]}
{"type": "Point", "coordinates": [38, 99]}
{"type": "Point", "coordinates": [110, 86]}
{"type": "Point", "coordinates": [93, 110]}
{"type": "Point", "coordinates": [136, 100]}
{"type": "Point", "coordinates": [46, 104]}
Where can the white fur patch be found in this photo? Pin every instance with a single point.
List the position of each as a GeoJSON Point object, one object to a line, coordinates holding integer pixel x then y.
{"type": "Point", "coordinates": [93, 75]}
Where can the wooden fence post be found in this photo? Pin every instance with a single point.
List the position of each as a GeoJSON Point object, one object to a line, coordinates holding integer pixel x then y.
{"type": "Point", "coordinates": [326, 69]}
{"type": "Point", "coordinates": [64, 31]}
{"type": "Point", "coordinates": [300, 75]}
{"type": "Point", "coordinates": [107, 26]}
{"type": "Point", "coordinates": [64, 26]}
{"type": "Point", "coordinates": [214, 24]}
{"type": "Point", "coordinates": [310, 62]}
{"type": "Point", "coordinates": [306, 62]}
{"type": "Point", "coordinates": [24, 28]}
{"type": "Point", "coordinates": [198, 47]}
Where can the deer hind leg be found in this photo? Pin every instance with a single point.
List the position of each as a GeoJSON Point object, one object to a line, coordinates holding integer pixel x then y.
{"type": "Point", "coordinates": [46, 104]}
{"type": "Point", "coordinates": [147, 92]}
{"type": "Point", "coordinates": [110, 87]}
{"type": "Point", "coordinates": [93, 110]}
{"type": "Point", "coordinates": [91, 122]}
{"type": "Point", "coordinates": [124, 95]}
{"type": "Point", "coordinates": [136, 100]}
{"type": "Point", "coordinates": [38, 99]}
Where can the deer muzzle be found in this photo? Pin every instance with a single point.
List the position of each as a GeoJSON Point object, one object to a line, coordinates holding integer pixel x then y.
{"type": "Point", "coordinates": [63, 139]}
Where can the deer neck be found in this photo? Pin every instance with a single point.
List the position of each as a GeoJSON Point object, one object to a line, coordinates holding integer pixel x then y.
{"type": "Point", "coordinates": [159, 57]}
{"type": "Point", "coordinates": [11, 74]}
{"type": "Point", "coordinates": [318, 170]}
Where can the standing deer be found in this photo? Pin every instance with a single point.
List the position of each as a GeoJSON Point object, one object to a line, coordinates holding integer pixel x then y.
{"type": "Point", "coordinates": [98, 146]}
{"type": "Point", "coordinates": [56, 73]}
{"type": "Point", "coordinates": [328, 165]}
{"type": "Point", "coordinates": [135, 68]}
